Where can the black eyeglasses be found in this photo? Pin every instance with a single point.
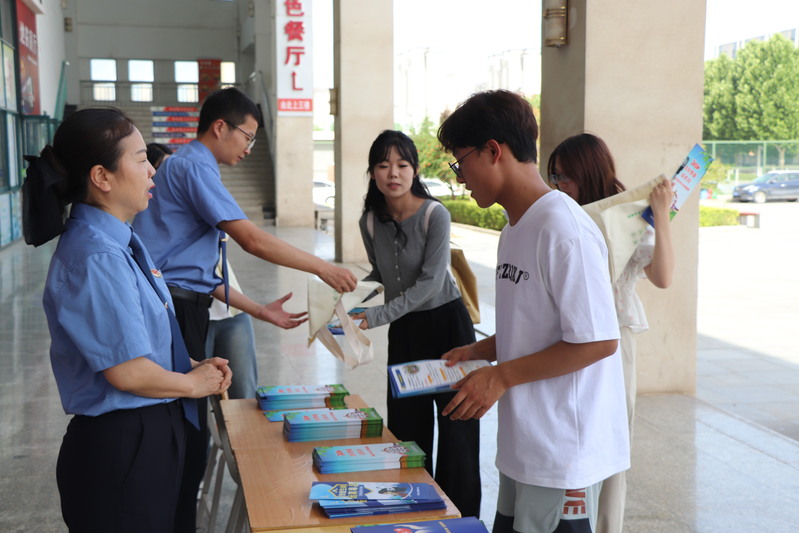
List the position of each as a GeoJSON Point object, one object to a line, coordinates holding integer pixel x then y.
{"type": "Point", "coordinates": [250, 138]}
{"type": "Point", "coordinates": [558, 178]}
{"type": "Point", "coordinates": [456, 166]}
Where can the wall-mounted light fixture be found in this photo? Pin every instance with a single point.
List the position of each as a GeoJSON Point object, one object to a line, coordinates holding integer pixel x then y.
{"type": "Point", "coordinates": [251, 9]}
{"type": "Point", "coordinates": [556, 23]}
{"type": "Point", "coordinates": [67, 24]}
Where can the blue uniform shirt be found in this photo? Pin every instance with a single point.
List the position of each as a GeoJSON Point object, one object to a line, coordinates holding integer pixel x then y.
{"type": "Point", "coordinates": [179, 228]}
{"type": "Point", "coordinates": [101, 311]}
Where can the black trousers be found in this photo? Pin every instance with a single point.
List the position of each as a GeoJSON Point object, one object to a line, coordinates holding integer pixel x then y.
{"type": "Point", "coordinates": [121, 471]}
{"type": "Point", "coordinates": [193, 320]}
{"type": "Point", "coordinates": [428, 335]}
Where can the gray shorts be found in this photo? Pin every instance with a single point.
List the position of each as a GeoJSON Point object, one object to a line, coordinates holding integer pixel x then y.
{"type": "Point", "coordinates": [541, 509]}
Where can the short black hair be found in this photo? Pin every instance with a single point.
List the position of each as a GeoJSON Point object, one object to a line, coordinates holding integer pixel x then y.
{"type": "Point", "coordinates": [500, 115]}
{"type": "Point", "coordinates": [156, 153]}
{"type": "Point", "coordinates": [228, 104]}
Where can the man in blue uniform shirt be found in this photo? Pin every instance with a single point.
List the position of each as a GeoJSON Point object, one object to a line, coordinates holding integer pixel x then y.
{"type": "Point", "coordinates": [182, 228]}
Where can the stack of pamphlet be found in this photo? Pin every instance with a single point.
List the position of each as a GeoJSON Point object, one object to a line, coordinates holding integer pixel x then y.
{"type": "Point", "coordinates": [283, 397]}
{"type": "Point", "coordinates": [324, 424]}
{"type": "Point", "coordinates": [352, 498]}
{"type": "Point", "coordinates": [429, 376]}
{"type": "Point", "coordinates": [447, 525]}
{"type": "Point", "coordinates": [360, 457]}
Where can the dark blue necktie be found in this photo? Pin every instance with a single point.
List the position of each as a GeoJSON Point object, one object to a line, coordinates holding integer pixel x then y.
{"type": "Point", "coordinates": [180, 355]}
{"type": "Point", "coordinates": [223, 252]}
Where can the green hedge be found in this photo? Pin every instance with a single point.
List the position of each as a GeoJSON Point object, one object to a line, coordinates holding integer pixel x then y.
{"type": "Point", "coordinates": [717, 216]}
{"type": "Point", "coordinates": [466, 211]}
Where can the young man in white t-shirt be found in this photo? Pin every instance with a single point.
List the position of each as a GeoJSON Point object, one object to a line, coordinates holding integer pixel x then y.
{"type": "Point", "coordinates": [558, 378]}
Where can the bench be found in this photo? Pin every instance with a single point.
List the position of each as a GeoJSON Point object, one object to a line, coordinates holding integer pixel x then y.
{"type": "Point", "coordinates": [750, 220]}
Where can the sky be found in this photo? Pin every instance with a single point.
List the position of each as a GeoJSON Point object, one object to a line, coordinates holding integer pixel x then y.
{"type": "Point", "coordinates": [489, 26]}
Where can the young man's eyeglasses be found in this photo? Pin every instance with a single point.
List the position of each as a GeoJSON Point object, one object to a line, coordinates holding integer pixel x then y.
{"type": "Point", "coordinates": [456, 166]}
{"type": "Point", "coordinates": [250, 138]}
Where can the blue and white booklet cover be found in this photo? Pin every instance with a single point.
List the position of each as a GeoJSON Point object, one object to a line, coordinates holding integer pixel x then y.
{"type": "Point", "coordinates": [685, 180]}
{"type": "Point", "coordinates": [356, 490]}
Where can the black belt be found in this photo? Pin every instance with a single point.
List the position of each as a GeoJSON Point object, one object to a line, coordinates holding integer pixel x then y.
{"type": "Point", "coordinates": [190, 296]}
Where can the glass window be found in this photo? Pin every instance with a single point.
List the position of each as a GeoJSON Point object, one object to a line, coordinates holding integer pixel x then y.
{"type": "Point", "coordinates": [187, 72]}
{"type": "Point", "coordinates": [9, 78]}
{"type": "Point", "coordinates": [103, 69]}
{"type": "Point", "coordinates": [4, 149]}
{"type": "Point", "coordinates": [228, 73]}
{"type": "Point", "coordinates": [140, 70]}
{"type": "Point", "coordinates": [187, 75]}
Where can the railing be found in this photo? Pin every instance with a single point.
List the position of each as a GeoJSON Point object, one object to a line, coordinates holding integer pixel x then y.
{"type": "Point", "coordinates": [255, 88]}
{"type": "Point", "coordinates": [134, 94]}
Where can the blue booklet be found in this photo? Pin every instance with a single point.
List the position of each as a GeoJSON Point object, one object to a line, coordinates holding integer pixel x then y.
{"type": "Point", "coordinates": [357, 490]}
{"type": "Point", "coordinates": [684, 181]}
{"type": "Point", "coordinates": [448, 525]}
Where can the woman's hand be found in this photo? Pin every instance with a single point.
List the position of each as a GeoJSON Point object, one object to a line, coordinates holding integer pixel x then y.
{"type": "Point", "coordinates": [275, 314]}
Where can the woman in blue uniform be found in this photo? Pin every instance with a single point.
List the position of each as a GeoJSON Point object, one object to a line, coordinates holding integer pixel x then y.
{"type": "Point", "coordinates": [108, 312]}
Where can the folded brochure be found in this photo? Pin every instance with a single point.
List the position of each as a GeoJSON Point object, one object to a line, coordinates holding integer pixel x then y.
{"type": "Point", "coordinates": [429, 376]}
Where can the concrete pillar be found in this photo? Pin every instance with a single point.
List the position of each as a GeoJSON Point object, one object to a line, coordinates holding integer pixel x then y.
{"type": "Point", "coordinates": [364, 83]}
{"type": "Point", "coordinates": [632, 73]}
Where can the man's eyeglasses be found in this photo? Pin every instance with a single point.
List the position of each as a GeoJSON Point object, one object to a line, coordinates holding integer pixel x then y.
{"type": "Point", "coordinates": [250, 138]}
{"type": "Point", "coordinates": [554, 179]}
{"type": "Point", "coordinates": [456, 166]}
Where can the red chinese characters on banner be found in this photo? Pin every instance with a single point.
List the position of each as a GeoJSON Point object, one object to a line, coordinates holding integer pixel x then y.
{"type": "Point", "coordinates": [294, 97]}
{"type": "Point", "coordinates": [210, 72]}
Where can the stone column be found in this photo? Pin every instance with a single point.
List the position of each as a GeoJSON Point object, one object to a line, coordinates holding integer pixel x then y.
{"type": "Point", "coordinates": [632, 73]}
{"type": "Point", "coordinates": [364, 86]}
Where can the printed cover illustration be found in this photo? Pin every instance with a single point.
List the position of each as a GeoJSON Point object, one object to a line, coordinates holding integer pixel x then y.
{"type": "Point", "coordinates": [448, 525]}
{"type": "Point", "coordinates": [324, 424]}
{"type": "Point", "coordinates": [341, 498]}
{"type": "Point", "coordinates": [428, 376]}
{"type": "Point", "coordinates": [685, 180]}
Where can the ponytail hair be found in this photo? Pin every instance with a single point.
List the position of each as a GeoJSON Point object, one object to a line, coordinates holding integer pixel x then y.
{"type": "Point", "coordinates": [59, 175]}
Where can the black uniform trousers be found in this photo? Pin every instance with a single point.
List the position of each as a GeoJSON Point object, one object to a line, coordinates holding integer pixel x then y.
{"type": "Point", "coordinates": [193, 320]}
{"type": "Point", "coordinates": [429, 335]}
{"type": "Point", "coordinates": [121, 471]}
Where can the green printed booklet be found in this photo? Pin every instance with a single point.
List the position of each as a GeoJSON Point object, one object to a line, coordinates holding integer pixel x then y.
{"type": "Point", "coordinates": [362, 457]}
{"type": "Point", "coordinates": [325, 424]}
{"type": "Point", "coordinates": [429, 376]}
{"type": "Point", "coordinates": [448, 525]}
{"type": "Point", "coordinates": [283, 397]}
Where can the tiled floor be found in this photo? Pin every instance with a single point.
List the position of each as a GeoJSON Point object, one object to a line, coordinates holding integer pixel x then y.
{"type": "Point", "coordinates": [699, 463]}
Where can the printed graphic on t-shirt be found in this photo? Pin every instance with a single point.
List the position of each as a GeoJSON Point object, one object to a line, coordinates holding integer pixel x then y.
{"type": "Point", "coordinates": [512, 273]}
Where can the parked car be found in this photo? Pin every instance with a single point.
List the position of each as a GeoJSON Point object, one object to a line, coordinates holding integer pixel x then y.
{"type": "Point", "coordinates": [774, 185]}
{"type": "Point", "coordinates": [438, 188]}
{"type": "Point", "coordinates": [324, 193]}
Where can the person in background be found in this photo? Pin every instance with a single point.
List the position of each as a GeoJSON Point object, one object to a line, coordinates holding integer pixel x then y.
{"type": "Point", "coordinates": [157, 153]}
{"type": "Point", "coordinates": [121, 459]}
{"type": "Point", "coordinates": [558, 379]}
{"type": "Point", "coordinates": [230, 331]}
{"type": "Point", "coordinates": [583, 167]}
{"type": "Point", "coordinates": [186, 227]}
{"type": "Point", "coordinates": [406, 235]}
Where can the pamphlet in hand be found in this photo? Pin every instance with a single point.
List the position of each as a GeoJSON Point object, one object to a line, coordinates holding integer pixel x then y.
{"type": "Point", "coordinates": [684, 181]}
{"type": "Point", "coordinates": [429, 376]}
{"type": "Point", "coordinates": [335, 326]}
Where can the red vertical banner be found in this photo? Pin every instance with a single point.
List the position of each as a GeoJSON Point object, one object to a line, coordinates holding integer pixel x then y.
{"type": "Point", "coordinates": [28, 51]}
{"type": "Point", "coordinates": [210, 77]}
{"type": "Point", "coordinates": [294, 48]}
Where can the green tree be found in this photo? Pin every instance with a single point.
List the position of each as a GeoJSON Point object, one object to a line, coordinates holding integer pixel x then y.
{"type": "Point", "coordinates": [767, 99]}
{"type": "Point", "coordinates": [755, 96]}
{"type": "Point", "coordinates": [719, 108]}
{"type": "Point", "coordinates": [433, 160]}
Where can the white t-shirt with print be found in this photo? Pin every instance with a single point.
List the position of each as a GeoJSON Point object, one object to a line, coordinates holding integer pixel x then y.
{"type": "Point", "coordinates": [552, 284]}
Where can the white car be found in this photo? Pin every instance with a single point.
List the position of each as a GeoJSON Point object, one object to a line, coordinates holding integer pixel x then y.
{"type": "Point", "coordinates": [324, 193]}
{"type": "Point", "coordinates": [438, 188]}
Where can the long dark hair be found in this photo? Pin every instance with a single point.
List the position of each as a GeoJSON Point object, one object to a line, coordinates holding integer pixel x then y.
{"type": "Point", "coordinates": [374, 200]}
{"type": "Point", "coordinates": [586, 159]}
{"type": "Point", "coordinates": [60, 175]}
